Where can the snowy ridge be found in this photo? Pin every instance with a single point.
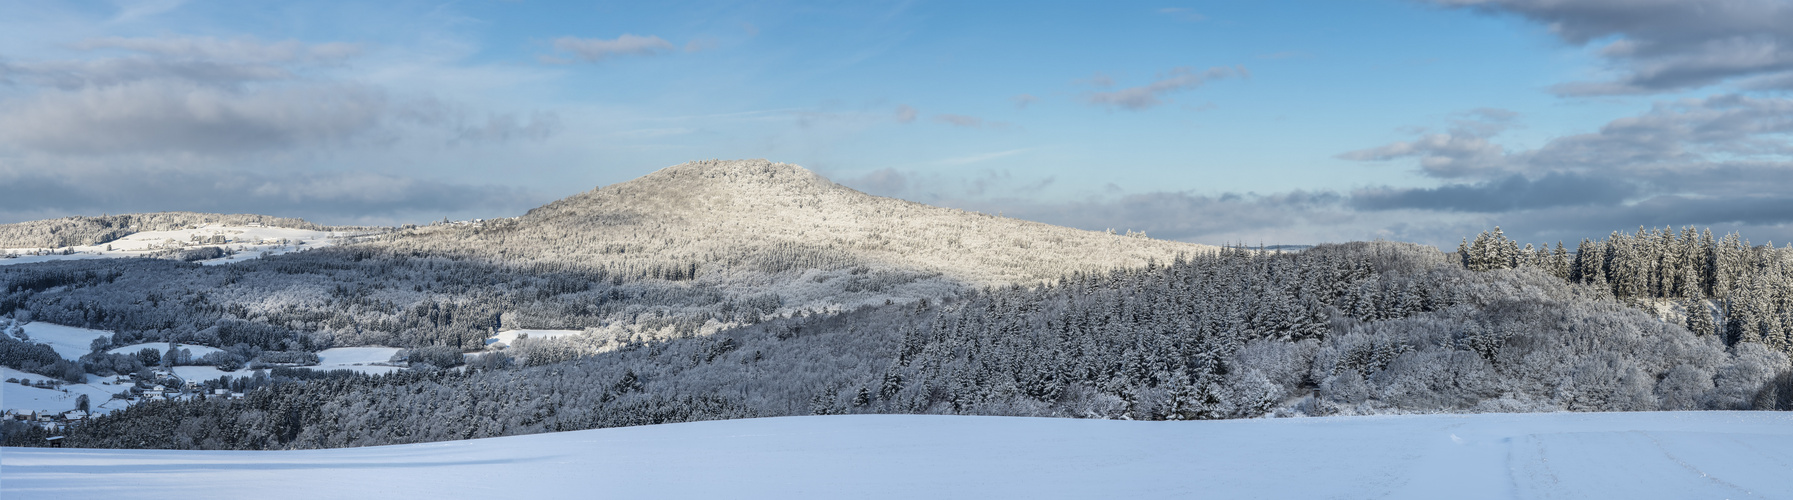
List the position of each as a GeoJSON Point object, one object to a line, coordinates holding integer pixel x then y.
{"type": "Point", "coordinates": [1555, 455]}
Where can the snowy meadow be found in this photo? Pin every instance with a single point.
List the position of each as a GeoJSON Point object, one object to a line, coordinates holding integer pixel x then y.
{"type": "Point", "coordinates": [1661, 455]}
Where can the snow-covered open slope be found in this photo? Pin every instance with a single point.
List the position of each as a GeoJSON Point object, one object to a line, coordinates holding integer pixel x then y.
{"type": "Point", "coordinates": [69, 342]}
{"type": "Point", "coordinates": [199, 373]}
{"type": "Point", "coordinates": [197, 350]}
{"type": "Point", "coordinates": [249, 242]}
{"type": "Point", "coordinates": [754, 227]}
{"type": "Point", "coordinates": [19, 397]}
{"type": "Point", "coordinates": [1559, 455]}
{"type": "Point", "coordinates": [509, 337]}
{"type": "Point", "coordinates": [369, 360]}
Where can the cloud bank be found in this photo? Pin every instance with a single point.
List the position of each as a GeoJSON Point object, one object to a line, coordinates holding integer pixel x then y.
{"type": "Point", "coordinates": [1721, 161]}
{"type": "Point", "coordinates": [1666, 45]}
{"type": "Point", "coordinates": [199, 123]}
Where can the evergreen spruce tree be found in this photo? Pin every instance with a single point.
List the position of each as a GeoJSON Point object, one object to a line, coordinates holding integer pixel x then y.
{"type": "Point", "coordinates": [1559, 262]}
{"type": "Point", "coordinates": [1580, 269]}
{"type": "Point", "coordinates": [1183, 402]}
{"type": "Point", "coordinates": [1699, 316]}
{"type": "Point", "coordinates": [1463, 253]}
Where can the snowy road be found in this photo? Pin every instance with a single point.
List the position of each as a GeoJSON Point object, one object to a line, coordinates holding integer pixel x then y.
{"type": "Point", "coordinates": [1613, 455]}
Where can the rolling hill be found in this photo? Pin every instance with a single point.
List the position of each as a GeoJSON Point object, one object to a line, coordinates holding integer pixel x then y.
{"type": "Point", "coordinates": [747, 217]}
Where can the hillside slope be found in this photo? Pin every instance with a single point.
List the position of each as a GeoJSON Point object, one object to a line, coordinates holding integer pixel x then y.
{"type": "Point", "coordinates": [741, 218]}
{"type": "Point", "coordinates": [1558, 455]}
{"type": "Point", "coordinates": [690, 249]}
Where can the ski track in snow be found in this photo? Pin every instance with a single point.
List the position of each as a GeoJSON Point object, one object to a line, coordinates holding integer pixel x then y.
{"type": "Point", "coordinates": [1555, 455]}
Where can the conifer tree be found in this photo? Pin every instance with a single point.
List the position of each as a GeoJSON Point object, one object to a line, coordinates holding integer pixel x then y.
{"type": "Point", "coordinates": [1559, 262]}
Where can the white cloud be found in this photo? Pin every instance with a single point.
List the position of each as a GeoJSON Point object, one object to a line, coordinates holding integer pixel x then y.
{"type": "Point", "coordinates": [178, 116]}
{"type": "Point", "coordinates": [237, 50]}
{"type": "Point", "coordinates": [905, 114]}
{"type": "Point", "coordinates": [598, 49]}
{"type": "Point", "coordinates": [982, 157]}
{"type": "Point", "coordinates": [186, 96]}
{"type": "Point", "coordinates": [959, 120]}
{"type": "Point", "coordinates": [327, 197]}
{"type": "Point", "coordinates": [1152, 94]}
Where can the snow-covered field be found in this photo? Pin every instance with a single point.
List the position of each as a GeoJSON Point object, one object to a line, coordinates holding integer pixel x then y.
{"type": "Point", "coordinates": [1559, 455]}
{"type": "Point", "coordinates": [19, 397]}
{"type": "Point", "coordinates": [508, 337]}
{"type": "Point", "coordinates": [369, 360]}
{"type": "Point", "coordinates": [203, 373]}
{"type": "Point", "coordinates": [196, 350]}
{"type": "Point", "coordinates": [68, 341]}
{"type": "Point", "coordinates": [249, 241]}
{"type": "Point", "coordinates": [360, 359]}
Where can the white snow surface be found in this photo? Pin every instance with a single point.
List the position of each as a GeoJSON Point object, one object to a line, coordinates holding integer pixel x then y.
{"type": "Point", "coordinates": [508, 337]}
{"type": "Point", "coordinates": [369, 360]}
{"type": "Point", "coordinates": [204, 373]}
{"type": "Point", "coordinates": [19, 397]}
{"type": "Point", "coordinates": [195, 349]}
{"type": "Point", "coordinates": [1554, 455]}
{"type": "Point", "coordinates": [249, 241]}
{"type": "Point", "coordinates": [68, 341]}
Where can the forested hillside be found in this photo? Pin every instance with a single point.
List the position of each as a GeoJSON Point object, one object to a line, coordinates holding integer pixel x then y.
{"type": "Point", "coordinates": [741, 289]}
{"type": "Point", "coordinates": [690, 249]}
{"type": "Point", "coordinates": [1723, 286]}
{"type": "Point", "coordinates": [1340, 329]}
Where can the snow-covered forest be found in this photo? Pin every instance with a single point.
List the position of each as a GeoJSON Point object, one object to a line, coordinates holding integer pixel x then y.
{"type": "Point", "coordinates": [691, 249]}
{"type": "Point", "coordinates": [718, 290]}
{"type": "Point", "coordinates": [1364, 328]}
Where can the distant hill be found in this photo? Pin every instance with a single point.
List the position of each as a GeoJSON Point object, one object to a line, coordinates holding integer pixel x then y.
{"type": "Point", "coordinates": [744, 222]}
{"type": "Point", "coordinates": [81, 230]}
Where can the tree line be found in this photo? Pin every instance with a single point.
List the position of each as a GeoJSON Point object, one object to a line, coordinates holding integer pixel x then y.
{"type": "Point", "coordinates": [1717, 286]}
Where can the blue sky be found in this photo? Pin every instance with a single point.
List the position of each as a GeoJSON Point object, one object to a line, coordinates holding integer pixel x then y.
{"type": "Point", "coordinates": [1235, 121]}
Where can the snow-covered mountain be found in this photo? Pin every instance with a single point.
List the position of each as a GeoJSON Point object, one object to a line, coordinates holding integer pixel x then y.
{"type": "Point", "coordinates": [758, 217]}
